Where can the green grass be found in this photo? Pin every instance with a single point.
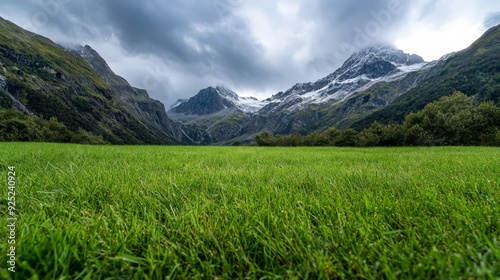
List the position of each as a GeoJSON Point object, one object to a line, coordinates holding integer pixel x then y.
{"type": "Point", "coordinates": [97, 212]}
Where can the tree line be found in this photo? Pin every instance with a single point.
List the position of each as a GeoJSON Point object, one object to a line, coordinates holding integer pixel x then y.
{"type": "Point", "coordinates": [451, 120]}
{"type": "Point", "coordinates": [16, 126]}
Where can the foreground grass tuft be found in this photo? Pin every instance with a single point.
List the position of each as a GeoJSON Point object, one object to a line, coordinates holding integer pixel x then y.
{"type": "Point", "coordinates": [245, 212]}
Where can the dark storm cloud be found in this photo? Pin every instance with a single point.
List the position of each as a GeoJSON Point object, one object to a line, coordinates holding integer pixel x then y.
{"type": "Point", "coordinates": [354, 13]}
{"type": "Point", "coordinates": [187, 32]}
{"type": "Point", "coordinates": [205, 34]}
{"type": "Point", "coordinates": [150, 26]}
{"type": "Point", "coordinates": [346, 25]}
{"type": "Point", "coordinates": [202, 42]}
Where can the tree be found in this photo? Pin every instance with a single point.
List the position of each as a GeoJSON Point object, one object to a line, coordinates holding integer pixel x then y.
{"type": "Point", "coordinates": [443, 122]}
{"type": "Point", "coordinates": [347, 138]}
{"type": "Point", "coordinates": [84, 137]}
{"type": "Point", "coordinates": [18, 126]}
{"type": "Point", "coordinates": [371, 136]}
{"type": "Point", "coordinates": [332, 135]}
{"type": "Point", "coordinates": [486, 124]}
{"type": "Point", "coordinates": [417, 136]}
{"type": "Point", "coordinates": [392, 135]}
{"type": "Point", "coordinates": [54, 131]}
{"type": "Point", "coordinates": [265, 138]}
{"type": "Point", "coordinates": [316, 139]}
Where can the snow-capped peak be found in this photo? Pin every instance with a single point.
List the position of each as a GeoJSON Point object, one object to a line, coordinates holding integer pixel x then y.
{"type": "Point", "coordinates": [375, 62]}
{"type": "Point", "coordinates": [245, 104]}
{"type": "Point", "coordinates": [226, 92]}
{"type": "Point", "coordinates": [360, 71]}
{"type": "Point", "coordinates": [212, 100]}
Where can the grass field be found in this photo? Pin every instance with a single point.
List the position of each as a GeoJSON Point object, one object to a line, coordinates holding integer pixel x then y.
{"type": "Point", "coordinates": [97, 212]}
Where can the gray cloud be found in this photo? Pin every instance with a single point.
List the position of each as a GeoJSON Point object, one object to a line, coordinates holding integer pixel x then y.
{"type": "Point", "coordinates": [348, 26]}
{"type": "Point", "coordinates": [492, 19]}
{"type": "Point", "coordinates": [174, 48]}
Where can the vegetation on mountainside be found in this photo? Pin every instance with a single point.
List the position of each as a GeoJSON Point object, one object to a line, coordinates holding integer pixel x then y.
{"type": "Point", "coordinates": [5, 101]}
{"type": "Point", "coordinates": [19, 127]}
{"type": "Point", "coordinates": [452, 120]}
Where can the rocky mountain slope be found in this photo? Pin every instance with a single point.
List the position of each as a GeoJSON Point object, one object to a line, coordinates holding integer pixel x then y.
{"type": "Point", "coordinates": [144, 108]}
{"type": "Point", "coordinates": [219, 111]}
{"type": "Point", "coordinates": [77, 87]}
{"type": "Point", "coordinates": [212, 100]}
{"type": "Point", "coordinates": [361, 71]}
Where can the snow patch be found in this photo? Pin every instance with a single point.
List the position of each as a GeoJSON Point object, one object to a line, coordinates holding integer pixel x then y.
{"type": "Point", "coordinates": [250, 104]}
{"type": "Point", "coordinates": [411, 68]}
{"type": "Point", "coordinates": [179, 102]}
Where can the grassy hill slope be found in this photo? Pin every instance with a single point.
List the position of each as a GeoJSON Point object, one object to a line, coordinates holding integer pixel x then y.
{"type": "Point", "coordinates": [43, 79]}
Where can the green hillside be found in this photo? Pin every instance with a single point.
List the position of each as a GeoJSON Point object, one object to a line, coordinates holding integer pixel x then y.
{"type": "Point", "coordinates": [474, 71]}
{"type": "Point", "coordinates": [50, 81]}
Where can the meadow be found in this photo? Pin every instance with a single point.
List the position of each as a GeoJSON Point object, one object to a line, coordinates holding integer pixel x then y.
{"type": "Point", "coordinates": [151, 212]}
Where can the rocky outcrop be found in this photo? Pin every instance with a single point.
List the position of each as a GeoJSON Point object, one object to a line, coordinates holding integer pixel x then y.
{"type": "Point", "coordinates": [207, 101]}
{"type": "Point", "coordinates": [3, 83]}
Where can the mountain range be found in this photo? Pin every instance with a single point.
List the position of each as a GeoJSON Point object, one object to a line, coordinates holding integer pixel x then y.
{"type": "Point", "coordinates": [379, 83]}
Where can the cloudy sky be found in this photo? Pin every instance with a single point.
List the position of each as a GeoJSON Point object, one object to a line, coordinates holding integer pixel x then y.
{"type": "Point", "coordinates": [174, 48]}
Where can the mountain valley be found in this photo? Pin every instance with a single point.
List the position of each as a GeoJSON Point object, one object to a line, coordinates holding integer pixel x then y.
{"type": "Point", "coordinates": [378, 83]}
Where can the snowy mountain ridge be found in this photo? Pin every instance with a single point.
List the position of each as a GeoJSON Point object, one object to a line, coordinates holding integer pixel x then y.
{"type": "Point", "coordinates": [230, 100]}
{"type": "Point", "coordinates": [361, 71]}
{"type": "Point", "coordinates": [245, 104]}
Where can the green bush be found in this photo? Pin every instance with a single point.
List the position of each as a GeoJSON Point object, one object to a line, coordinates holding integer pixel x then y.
{"type": "Point", "coordinates": [451, 120]}
{"type": "Point", "coordinates": [17, 126]}
{"type": "Point", "coordinates": [84, 137]}
{"type": "Point", "coordinates": [264, 138]}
